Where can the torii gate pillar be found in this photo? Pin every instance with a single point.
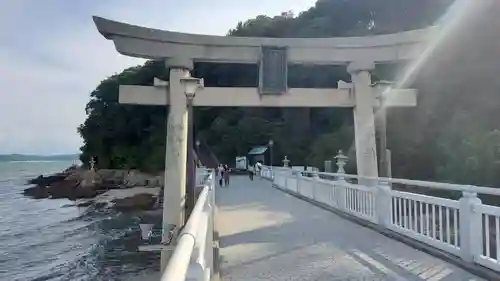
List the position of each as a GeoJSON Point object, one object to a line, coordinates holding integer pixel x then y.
{"type": "Point", "coordinates": [364, 129]}
{"type": "Point", "coordinates": [174, 191]}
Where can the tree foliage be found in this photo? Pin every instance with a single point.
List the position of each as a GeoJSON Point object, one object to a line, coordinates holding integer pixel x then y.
{"type": "Point", "coordinates": [448, 136]}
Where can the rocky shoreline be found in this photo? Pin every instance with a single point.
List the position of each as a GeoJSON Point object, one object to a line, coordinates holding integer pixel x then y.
{"type": "Point", "coordinates": [123, 190]}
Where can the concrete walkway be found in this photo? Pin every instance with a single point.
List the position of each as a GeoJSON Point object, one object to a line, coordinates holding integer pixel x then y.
{"type": "Point", "coordinates": [266, 234]}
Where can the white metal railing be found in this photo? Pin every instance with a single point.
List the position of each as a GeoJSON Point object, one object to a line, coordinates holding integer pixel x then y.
{"type": "Point", "coordinates": [490, 233]}
{"type": "Point", "coordinates": [429, 219]}
{"type": "Point", "coordinates": [192, 258]}
{"type": "Point", "coordinates": [465, 227]}
{"type": "Point", "coordinates": [202, 175]}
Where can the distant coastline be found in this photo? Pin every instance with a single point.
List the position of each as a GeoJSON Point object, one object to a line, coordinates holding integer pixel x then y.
{"type": "Point", "coordinates": [29, 157]}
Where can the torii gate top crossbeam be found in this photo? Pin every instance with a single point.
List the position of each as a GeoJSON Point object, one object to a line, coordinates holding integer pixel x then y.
{"type": "Point", "coordinates": [137, 41]}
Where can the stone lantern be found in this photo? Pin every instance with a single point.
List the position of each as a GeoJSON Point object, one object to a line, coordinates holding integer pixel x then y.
{"type": "Point", "coordinates": [341, 161]}
{"type": "Point", "coordinates": [286, 162]}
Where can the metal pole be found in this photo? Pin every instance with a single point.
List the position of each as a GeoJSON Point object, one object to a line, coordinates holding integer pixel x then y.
{"type": "Point", "coordinates": [191, 168]}
{"type": "Point", "coordinates": [271, 144]}
{"type": "Point", "coordinates": [271, 152]}
{"type": "Point", "coordinates": [198, 161]}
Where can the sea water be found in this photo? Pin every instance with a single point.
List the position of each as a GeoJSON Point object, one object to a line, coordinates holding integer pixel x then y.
{"type": "Point", "coordinates": [42, 239]}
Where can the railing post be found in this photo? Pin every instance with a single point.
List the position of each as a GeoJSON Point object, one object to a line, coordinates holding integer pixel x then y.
{"type": "Point", "coordinates": [383, 204]}
{"type": "Point", "coordinates": [340, 193]}
{"type": "Point", "coordinates": [289, 175]}
{"type": "Point", "coordinates": [340, 183]}
{"type": "Point", "coordinates": [298, 178]}
{"type": "Point", "coordinates": [315, 182]}
{"type": "Point", "coordinates": [279, 179]}
{"type": "Point", "coordinates": [267, 173]}
{"type": "Point", "coordinates": [470, 226]}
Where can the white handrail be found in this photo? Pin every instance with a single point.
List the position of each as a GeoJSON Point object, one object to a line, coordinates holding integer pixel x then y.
{"type": "Point", "coordinates": [426, 184]}
{"type": "Point", "coordinates": [178, 265]}
{"type": "Point", "coordinates": [466, 227]}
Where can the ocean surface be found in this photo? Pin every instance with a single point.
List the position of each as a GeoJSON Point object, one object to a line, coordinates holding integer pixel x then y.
{"type": "Point", "coordinates": [54, 240]}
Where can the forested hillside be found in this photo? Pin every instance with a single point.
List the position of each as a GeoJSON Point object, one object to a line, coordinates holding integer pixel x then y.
{"type": "Point", "coordinates": [453, 134]}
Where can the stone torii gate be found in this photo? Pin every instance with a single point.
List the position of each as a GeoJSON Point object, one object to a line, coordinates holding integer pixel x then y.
{"type": "Point", "coordinates": [272, 55]}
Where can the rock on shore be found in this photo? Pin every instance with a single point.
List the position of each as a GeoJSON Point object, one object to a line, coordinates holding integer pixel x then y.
{"type": "Point", "coordinates": [135, 198]}
{"type": "Point", "coordinates": [120, 189]}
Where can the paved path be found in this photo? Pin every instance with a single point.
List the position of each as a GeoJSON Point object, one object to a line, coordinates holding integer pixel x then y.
{"type": "Point", "coordinates": [266, 234]}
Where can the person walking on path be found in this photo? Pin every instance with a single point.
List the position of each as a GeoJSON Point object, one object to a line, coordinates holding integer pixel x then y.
{"type": "Point", "coordinates": [226, 175]}
{"type": "Point", "coordinates": [250, 172]}
{"type": "Point", "coordinates": [220, 174]}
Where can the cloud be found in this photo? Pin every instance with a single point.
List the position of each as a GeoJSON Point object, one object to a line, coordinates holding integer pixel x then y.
{"type": "Point", "coordinates": [52, 57]}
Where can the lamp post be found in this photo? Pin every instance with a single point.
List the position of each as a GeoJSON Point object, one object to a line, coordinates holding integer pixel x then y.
{"type": "Point", "coordinates": [191, 85]}
{"type": "Point", "coordinates": [271, 143]}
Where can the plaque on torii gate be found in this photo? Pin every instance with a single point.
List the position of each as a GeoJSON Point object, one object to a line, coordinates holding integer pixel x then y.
{"type": "Point", "coordinates": [272, 55]}
{"type": "Point", "coordinates": [273, 70]}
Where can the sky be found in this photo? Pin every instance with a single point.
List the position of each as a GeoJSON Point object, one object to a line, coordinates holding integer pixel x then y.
{"type": "Point", "coordinates": [52, 57]}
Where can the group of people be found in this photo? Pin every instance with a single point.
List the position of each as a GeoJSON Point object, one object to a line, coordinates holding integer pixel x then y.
{"type": "Point", "coordinates": [223, 172]}
{"type": "Point", "coordinates": [223, 175]}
